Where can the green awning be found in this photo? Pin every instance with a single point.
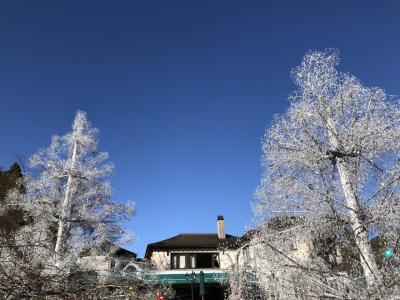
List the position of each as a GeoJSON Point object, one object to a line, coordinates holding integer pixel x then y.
{"type": "Point", "coordinates": [184, 277]}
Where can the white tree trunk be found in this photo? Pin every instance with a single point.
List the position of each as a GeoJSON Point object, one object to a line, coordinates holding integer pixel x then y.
{"type": "Point", "coordinates": [65, 208]}
{"type": "Point", "coordinates": [368, 262]}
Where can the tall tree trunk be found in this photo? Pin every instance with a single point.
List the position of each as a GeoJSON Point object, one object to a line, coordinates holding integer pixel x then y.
{"type": "Point", "coordinates": [368, 263]}
{"type": "Point", "coordinates": [65, 208]}
{"type": "Point", "coordinates": [367, 259]}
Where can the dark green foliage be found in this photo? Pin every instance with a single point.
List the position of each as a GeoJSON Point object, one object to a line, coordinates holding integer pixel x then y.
{"type": "Point", "coordinates": [9, 179]}
{"type": "Point", "coordinates": [14, 217]}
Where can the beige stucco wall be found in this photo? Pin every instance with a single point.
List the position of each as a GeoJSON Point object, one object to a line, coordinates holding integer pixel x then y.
{"type": "Point", "coordinates": [276, 270]}
{"type": "Point", "coordinates": [97, 263]}
{"type": "Point", "coordinates": [228, 258]}
{"type": "Point", "coordinates": [264, 259]}
{"type": "Point", "coordinates": [161, 260]}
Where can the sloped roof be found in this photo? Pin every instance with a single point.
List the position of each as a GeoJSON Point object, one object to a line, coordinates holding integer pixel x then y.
{"type": "Point", "coordinates": [192, 241]}
{"type": "Point", "coordinates": [273, 225]}
{"type": "Point", "coordinates": [106, 247]}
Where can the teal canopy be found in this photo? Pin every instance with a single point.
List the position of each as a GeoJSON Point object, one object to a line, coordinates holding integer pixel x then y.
{"type": "Point", "coordinates": [184, 278]}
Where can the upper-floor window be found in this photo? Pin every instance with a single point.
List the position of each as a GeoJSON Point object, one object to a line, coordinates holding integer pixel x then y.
{"type": "Point", "coordinates": [246, 254]}
{"type": "Point", "coordinates": [194, 260]}
{"type": "Point", "coordinates": [112, 264]}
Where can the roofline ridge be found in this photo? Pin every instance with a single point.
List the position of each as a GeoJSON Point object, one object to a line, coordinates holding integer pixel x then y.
{"type": "Point", "coordinates": [197, 233]}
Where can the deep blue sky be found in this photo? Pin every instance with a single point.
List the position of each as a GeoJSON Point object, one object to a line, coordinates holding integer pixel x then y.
{"type": "Point", "coordinates": [181, 90]}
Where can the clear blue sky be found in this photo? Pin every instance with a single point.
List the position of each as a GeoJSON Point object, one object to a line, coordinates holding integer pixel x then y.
{"type": "Point", "coordinates": [181, 90]}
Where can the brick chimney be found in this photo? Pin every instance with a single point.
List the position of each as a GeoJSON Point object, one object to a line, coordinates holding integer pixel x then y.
{"type": "Point", "coordinates": [221, 227]}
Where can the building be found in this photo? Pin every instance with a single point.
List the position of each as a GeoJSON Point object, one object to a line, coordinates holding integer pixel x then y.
{"type": "Point", "coordinates": [286, 258]}
{"type": "Point", "coordinates": [108, 262]}
{"type": "Point", "coordinates": [274, 260]}
{"type": "Point", "coordinates": [180, 259]}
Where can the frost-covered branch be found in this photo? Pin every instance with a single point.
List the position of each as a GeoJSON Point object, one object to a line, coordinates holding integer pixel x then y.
{"type": "Point", "coordinates": [335, 152]}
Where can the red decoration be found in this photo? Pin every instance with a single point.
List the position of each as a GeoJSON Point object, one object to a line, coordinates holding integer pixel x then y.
{"type": "Point", "coordinates": [159, 296]}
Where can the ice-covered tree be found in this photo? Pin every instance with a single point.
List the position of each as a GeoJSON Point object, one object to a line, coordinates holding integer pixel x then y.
{"type": "Point", "coordinates": [69, 183]}
{"type": "Point", "coordinates": [57, 216]}
{"type": "Point", "coordinates": [335, 153]}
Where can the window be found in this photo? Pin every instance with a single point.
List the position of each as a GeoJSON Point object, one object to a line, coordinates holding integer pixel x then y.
{"type": "Point", "coordinates": [194, 260]}
{"type": "Point", "coordinates": [204, 260]}
{"type": "Point", "coordinates": [174, 263]}
{"type": "Point", "coordinates": [246, 254]}
{"type": "Point", "coordinates": [112, 264]}
{"type": "Point", "coordinates": [130, 269]}
{"type": "Point", "coordinates": [215, 260]}
{"type": "Point", "coordinates": [182, 261]}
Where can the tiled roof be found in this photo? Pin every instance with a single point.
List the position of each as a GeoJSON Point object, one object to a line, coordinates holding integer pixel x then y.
{"type": "Point", "coordinates": [108, 248]}
{"type": "Point", "coordinates": [192, 241]}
